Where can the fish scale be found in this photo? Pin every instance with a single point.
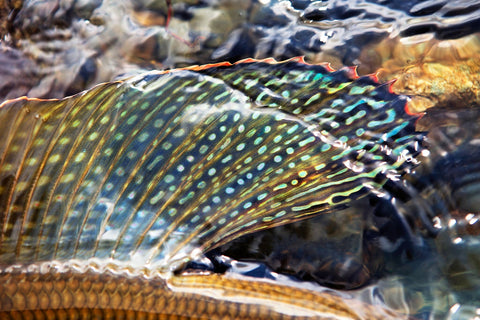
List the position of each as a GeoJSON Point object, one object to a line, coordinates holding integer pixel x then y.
{"type": "Point", "coordinates": [156, 167]}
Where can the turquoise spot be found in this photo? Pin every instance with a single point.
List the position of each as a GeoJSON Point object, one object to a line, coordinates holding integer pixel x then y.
{"type": "Point", "coordinates": [143, 137]}
{"type": "Point", "coordinates": [166, 145]}
{"type": "Point", "coordinates": [306, 141]}
{"type": "Point", "coordinates": [305, 157]}
{"type": "Point", "coordinates": [170, 109]}
{"type": "Point", "coordinates": [358, 90]}
{"type": "Point", "coordinates": [240, 147]}
{"type": "Point", "coordinates": [238, 80]}
{"type": "Point", "coordinates": [390, 117]}
{"type": "Point", "coordinates": [251, 132]}
{"type": "Point", "coordinates": [203, 95]}
{"type": "Point", "coordinates": [313, 98]}
{"type": "Point", "coordinates": [262, 196]}
{"type": "Point", "coordinates": [227, 158]}
{"type": "Point", "coordinates": [280, 214]}
{"type": "Point", "coordinates": [224, 117]}
{"type": "Point", "coordinates": [397, 129]}
{"type": "Point", "coordinates": [325, 147]}
{"type": "Point", "coordinates": [220, 96]}
{"type": "Point", "coordinates": [292, 129]}
{"type": "Point", "coordinates": [251, 83]}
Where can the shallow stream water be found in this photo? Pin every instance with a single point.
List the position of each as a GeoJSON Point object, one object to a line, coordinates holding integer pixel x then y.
{"type": "Point", "coordinates": [52, 49]}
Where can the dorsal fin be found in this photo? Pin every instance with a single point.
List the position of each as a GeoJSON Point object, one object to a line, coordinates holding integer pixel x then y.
{"type": "Point", "coordinates": [162, 166]}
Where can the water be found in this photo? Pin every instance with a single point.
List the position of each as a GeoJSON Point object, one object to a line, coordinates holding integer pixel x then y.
{"type": "Point", "coordinates": [51, 49]}
{"type": "Point", "coordinates": [65, 48]}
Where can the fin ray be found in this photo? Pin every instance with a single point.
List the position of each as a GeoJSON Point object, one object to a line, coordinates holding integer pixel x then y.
{"type": "Point", "coordinates": [156, 167]}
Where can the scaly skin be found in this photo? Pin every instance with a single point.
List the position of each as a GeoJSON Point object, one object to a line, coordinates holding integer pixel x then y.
{"type": "Point", "coordinates": [77, 295]}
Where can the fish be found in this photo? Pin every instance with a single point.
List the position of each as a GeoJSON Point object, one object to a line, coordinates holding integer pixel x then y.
{"type": "Point", "coordinates": [133, 179]}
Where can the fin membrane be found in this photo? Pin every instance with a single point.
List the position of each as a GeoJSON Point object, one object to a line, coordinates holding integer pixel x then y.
{"type": "Point", "coordinates": [160, 167]}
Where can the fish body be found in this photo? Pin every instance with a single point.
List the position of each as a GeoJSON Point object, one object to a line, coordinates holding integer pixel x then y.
{"type": "Point", "coordinates": [109, 294]}
{"type": "Point", "coordinates": [151, 172]}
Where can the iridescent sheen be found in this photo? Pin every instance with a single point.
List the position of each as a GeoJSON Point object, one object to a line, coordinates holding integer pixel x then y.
{"type": "Point", "coordinates": [161, 167]}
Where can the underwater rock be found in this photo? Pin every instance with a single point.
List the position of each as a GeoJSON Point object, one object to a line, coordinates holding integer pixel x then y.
{"type": "Point", "coordinates": [17, 73]}
{"type": "Point", "coordinates": [74, 45]}
{"type": "Point", "coordinates": [442, 73]}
